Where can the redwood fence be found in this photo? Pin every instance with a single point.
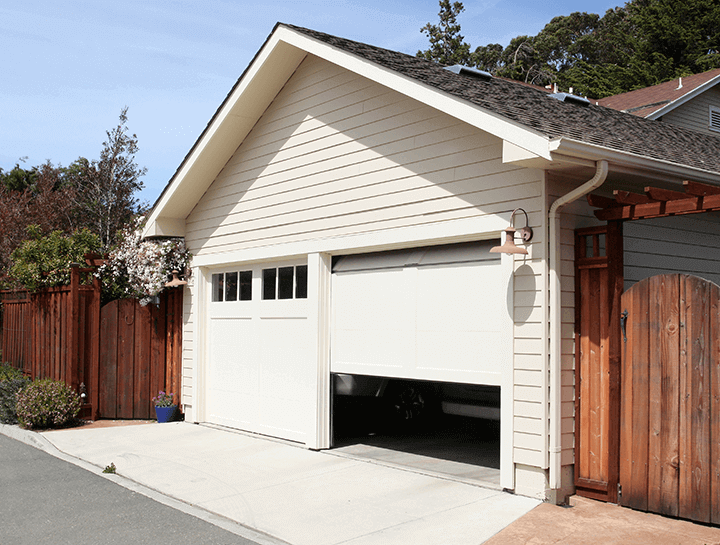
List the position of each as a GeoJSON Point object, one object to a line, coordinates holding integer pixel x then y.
{"type": "Point", "coordinates": [58, 333]}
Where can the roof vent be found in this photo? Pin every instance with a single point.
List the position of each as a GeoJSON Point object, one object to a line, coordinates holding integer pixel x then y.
{"type": "Point", "coordinates": [467, 71]}
{"type": "Point", "coordinates": [567, 97]}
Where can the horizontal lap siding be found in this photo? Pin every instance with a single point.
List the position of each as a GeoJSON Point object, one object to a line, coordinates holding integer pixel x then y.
{"type": "Point", "coordinates": [187, 343]}
{"type": "Point", "coordinates": [337, 155]}
{"type": "Point", "coordinates": [574, 216]}
{"type": "Point", "coordinates": [355, 158]}
{"type": "Point", "coordinates": [695, 114]}
{"type": "Point", "coordinates": [681, 244]}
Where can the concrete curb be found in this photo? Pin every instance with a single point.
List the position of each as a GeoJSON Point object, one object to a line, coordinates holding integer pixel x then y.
{"type": "Point", "coordinates": [40, 442]}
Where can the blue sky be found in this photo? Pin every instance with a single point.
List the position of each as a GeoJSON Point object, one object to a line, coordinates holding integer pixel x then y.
{"type": "Point", "coordinates": [68, 67]}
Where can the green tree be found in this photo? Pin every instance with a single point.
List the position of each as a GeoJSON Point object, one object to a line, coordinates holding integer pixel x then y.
{"type": "Point", "coordinates": [43, 261]}
{"type": "Point", "coordinates": [447, 45]}
{"type": "Point", "coordinates": [642, 43]}
{"type": "Point", "coordinates": [107, 187]}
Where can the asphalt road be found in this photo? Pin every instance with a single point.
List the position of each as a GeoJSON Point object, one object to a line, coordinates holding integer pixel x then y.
{"type": "Point", "coordinates": [47, 500]}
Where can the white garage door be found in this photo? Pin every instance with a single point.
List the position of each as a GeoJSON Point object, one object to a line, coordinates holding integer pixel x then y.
{"type": "Point", "coordinates": [433, 313]}
{"type": "Point", "coordinates": [260, 377]}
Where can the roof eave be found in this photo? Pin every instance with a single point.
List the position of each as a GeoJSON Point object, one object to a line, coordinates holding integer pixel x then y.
{"type": "Point", "coordinates": [562, 149]}
{"type": "Point", "coordinates": [268, 72]}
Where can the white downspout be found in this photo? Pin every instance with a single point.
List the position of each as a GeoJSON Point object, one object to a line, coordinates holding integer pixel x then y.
{"type": "Point", "coordinates": [555, 289]}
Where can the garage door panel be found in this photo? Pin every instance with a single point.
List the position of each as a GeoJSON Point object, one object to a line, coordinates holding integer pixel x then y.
{"type": "Point", "coordinates": [360, 300]}
{"type": "Point", "coordinates": [423, 319]}
{"type": "Point", "coordinates": [472, 356]}
{"type": "Point", "coordinates": [260, 372]}
{"type": "Point", "coordinates": [367, 350]}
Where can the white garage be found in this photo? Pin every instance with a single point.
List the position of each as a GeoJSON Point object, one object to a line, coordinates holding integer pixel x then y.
{"type": "Point", "coordinates": [433, 313]}
{"type": "Point", "coordinates": [260, 373]}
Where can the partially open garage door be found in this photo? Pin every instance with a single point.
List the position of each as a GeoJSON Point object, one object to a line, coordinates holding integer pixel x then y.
{"type": "Point", "coordinates": [433, 313]}
{"type": "Point", "coordinates": [260, 374]}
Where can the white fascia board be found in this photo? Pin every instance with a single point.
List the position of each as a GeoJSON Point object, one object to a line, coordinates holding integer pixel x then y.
{"type": "Point", "coordinates": [270, 70]}
{"type": "Point", "coordinates": [463, 110]}
{"type": "Point", "coordinates": [685, 98]}
{"type": "Point", "coordinates": [630, 162]}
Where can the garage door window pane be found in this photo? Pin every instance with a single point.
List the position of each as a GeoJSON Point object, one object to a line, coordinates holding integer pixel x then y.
{"type": "Point", "coordinates": [231, 286]}
{"type": "Point", "coordinates": [246, 285]}
{"type": "Point", "coordinates": [301, 282]}
{"type": "Point", "coordinates": [269, 281]}
{"type": "Point", "coordinates": [285, 284]}
{"type": "Point", "coordinates": [217, 287]}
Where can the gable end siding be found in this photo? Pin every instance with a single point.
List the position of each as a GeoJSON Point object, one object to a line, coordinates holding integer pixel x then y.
{"type": "Point", "coordinates": [336, 155]}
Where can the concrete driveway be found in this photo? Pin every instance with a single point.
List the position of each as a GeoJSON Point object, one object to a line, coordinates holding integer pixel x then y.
{"type": "Point", "coordinates": [293, 494]}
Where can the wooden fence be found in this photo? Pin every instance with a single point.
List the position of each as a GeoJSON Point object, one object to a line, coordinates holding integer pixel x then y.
{"type": "Point", "coordinates": [57, 333]}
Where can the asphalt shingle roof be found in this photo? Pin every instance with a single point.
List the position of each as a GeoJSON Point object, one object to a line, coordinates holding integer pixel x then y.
{"type": "Point", "coordinates": [644, 102]}
{"type": "Point", "coordinates": [535, 109]}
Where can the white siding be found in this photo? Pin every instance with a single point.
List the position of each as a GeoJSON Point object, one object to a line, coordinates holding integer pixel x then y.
{"type": "Point", "coordinates": [682, 244]}
{"type": "Point", "coordinates": [574, 216]}
{"type": "Point", "coordinates": [337, 155]}
{"type": "Point", "coordinates": [695, 114]}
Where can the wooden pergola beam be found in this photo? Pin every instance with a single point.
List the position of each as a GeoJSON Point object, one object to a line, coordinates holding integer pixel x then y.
{"type": "Point", "coordinates": [657, 194]}
{"type": "Point", "coordinates": [691, 205]}
{"type": "Point", "coordinates": [627, 197]}
{"type": "Point", "coordinates": [701, 190]}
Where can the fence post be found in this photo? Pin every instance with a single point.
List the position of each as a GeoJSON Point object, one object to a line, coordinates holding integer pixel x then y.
{"type": "Point", "coordinates": [72, 359]}
{"type": "Point", "coordinates": [93, 383]}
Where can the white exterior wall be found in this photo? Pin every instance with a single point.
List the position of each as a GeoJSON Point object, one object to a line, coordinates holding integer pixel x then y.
{"type": "Point", "coordinates": [695, 114]}
{"type": "Point", "coordinates": [687, 244]}
{"type": "Point", "coordinates": [575, 215]}
{"type": "Point", "coordinates": [339, 164]}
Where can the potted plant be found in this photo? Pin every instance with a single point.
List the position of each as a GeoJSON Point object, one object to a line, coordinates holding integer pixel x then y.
{"type": "Point", "coordinates": [164, 407]}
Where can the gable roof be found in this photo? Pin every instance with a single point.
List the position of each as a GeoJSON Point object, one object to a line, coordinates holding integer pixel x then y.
{"type": "Point", "coordinates": [657, 100]}
{"type": "Point", "coordinates": [536, 129]}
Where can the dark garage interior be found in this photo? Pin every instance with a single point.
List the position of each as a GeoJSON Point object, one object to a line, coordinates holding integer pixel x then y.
{"type": "Point", "coordinates": [446, 429]}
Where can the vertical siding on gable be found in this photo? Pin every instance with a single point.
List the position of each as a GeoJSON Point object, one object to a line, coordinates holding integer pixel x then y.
{"type": "Point", "coordinates": [695, 114]}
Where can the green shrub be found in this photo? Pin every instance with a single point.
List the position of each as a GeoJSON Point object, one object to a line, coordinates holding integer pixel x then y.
{"type": "Point", "coordinates": [8, 372]}
{"type": "Point", "coordinates": [8, 398]}
{"type": "Point", "coordinates": [47, 403]}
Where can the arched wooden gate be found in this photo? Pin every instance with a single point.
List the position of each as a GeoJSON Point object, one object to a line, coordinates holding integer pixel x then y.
{"type": "Point", "coordinates": [647, 410]}
{"type": "Point", "coordinates": [670, 398]}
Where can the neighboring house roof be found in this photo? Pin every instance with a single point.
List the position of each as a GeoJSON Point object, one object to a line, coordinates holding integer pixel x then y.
{"type": "Point", "coordinates": [654, 102]}
{"type": "Point", "coordinates": [536, 129]}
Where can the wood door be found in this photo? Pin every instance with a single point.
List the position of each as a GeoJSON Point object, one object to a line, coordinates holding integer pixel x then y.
{"type": "Point", "coordinates": [670, 392]}
{"type": "Point", "coordinates": [598, 286]}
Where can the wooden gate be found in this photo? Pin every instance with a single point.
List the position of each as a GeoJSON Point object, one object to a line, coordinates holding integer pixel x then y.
{"type": "Point", "coordinates": [140, 355]}
{"type": "Point", "coordinates": [670, 410]}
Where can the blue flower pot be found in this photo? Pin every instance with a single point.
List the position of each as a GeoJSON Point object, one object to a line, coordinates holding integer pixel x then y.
{"type": "Point", "coordinates": [165, 414]}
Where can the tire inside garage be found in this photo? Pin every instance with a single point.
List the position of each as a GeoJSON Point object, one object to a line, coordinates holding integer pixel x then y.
{"type": "Point", "coordinates": [420, 327]}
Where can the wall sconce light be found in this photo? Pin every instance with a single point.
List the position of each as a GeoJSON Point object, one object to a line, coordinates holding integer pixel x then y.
{"type": "Point", "coordinates": [509, 246]}
{"type": "Point", "coordinates": [175, 281]}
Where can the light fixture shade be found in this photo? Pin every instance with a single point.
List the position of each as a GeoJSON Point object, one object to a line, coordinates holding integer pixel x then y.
{"type": "Point", "coordinates": [175, 281]}
{"type": "Point", "coordinates": [509, 246]}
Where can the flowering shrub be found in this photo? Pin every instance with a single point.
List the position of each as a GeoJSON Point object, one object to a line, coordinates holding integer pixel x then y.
{"type": "Point", "coordinates": [47, 403]}
{"type": "Point", "coordinates": [163, 400]}
{"type": "Point", "coordinates": [139, 268]}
